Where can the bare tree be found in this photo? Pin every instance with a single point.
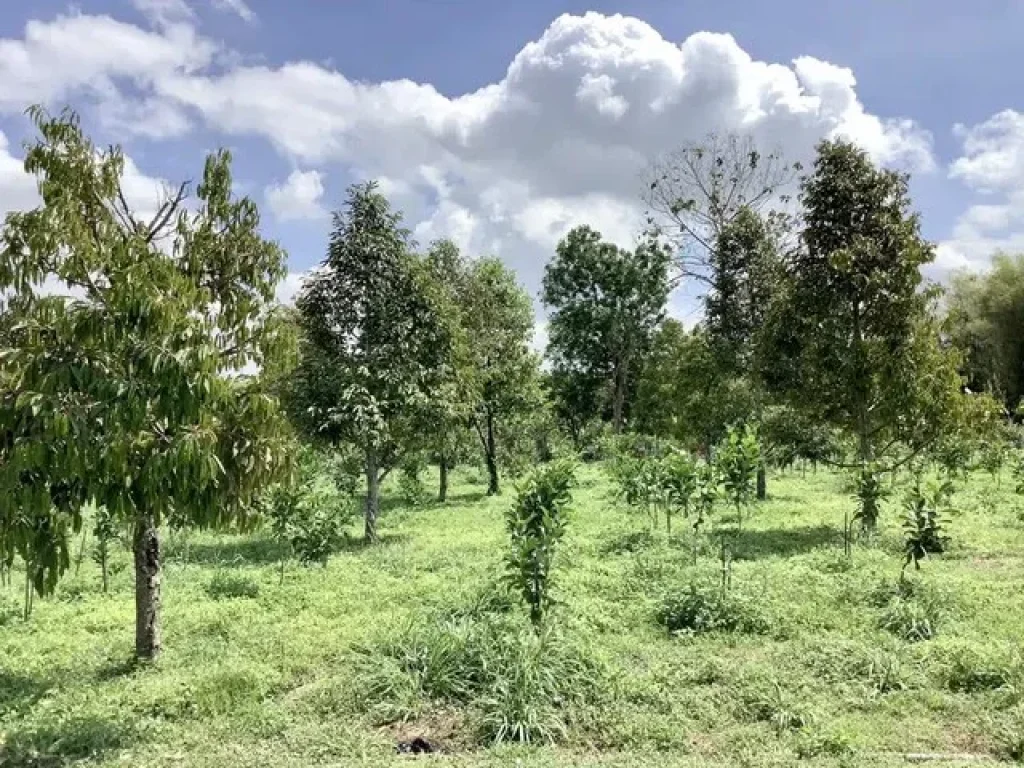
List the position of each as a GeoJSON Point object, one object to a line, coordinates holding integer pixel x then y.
{"type": "Point", "coordinates": [693, 192]}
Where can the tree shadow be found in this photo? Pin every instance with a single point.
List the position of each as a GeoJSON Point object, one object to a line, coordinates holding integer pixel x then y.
{"type": "Point", "coordinates": [465, 497]}
{"type": "Point", "coordinates": [66, 742]}
{"type": "Point", "coordinates": [234, 551]}
{"type": "Point", "coordinates": [18, 691]}
{"type": "Point", "coordinates": [360, 544]}
{"type": "Point", "coordinates": [784, 542]}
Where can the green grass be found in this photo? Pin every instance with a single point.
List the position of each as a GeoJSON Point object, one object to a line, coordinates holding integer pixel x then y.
{"type": "Point", "coordinates": [829, 662]}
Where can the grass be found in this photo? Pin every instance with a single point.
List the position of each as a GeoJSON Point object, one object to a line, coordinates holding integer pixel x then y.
{"type": "Point", "coordinates": [812, 660]}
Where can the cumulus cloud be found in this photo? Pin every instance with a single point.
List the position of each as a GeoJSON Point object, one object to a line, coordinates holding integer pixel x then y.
{"type": "Point", "coordinates": [298, 197]}
{"type": "Point", "coordinates": [17, 189]}
{"type": "Point", "coordinates": [560, 139]}
{"type": "Point", "coordinates": [992, 167]}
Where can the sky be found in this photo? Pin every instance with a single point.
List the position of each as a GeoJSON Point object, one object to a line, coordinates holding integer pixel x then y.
{"type": "Point", "coordinates": [501, 125]}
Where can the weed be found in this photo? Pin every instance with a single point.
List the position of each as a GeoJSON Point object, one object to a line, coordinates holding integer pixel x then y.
{"type": "Point", "coordinates": [698, 609]}
{"type": "Point", "coordinates": [228, 585]}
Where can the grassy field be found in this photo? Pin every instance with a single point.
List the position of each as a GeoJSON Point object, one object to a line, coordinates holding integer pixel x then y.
{"type": "Point", "coordinates": [415, 637]}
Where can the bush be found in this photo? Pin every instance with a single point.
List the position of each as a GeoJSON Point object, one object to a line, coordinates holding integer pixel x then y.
{"type": "Point", "coordinates": [700, 609]}
{"type": "Point", "coordinates": [228, 585]}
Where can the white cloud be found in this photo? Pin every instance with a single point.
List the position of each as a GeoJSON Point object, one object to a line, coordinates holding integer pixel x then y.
{"type": "Point", "coordinates": [163, 12]}
{"type": "Point", "coordinates": [560, 139]}
{"type": "Point", "coordinates": [289, 287]}
{"type": "Point", "coordinates": [991, 166]}
{"type": "Point", "coordinates": [17, 189]}
{"type": "Point", "coordinates": [298, 197]}
{"type": "Point", "coordinates": [238, 7]}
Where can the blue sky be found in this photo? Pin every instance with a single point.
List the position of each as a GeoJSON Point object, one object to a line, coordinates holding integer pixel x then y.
{"type": "Point", "coordinates": [303, 92]}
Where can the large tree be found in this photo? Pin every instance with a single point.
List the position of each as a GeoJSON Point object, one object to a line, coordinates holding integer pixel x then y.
{"type": "Point", "coordinates": [606, 303]}
{"type": "Point", "coordinates": [124, 393]}
{"type": "Point", "coordinates": [374, 341]}
{"type": "Point", "coordinates": [497, 316]}
{"type": "Point", "coordinates": [852, 338]}
{"type": "Point", "coordinates": [985, 315]}
{"type": "Point", "coordinates": [694, 192]}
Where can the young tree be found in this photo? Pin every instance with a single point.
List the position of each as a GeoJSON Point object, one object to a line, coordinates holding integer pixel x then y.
{"type": "Point", "coordinates": [497, 318]}
{"type": "Point", "coordinates": [451, 406]}
{"type": "Point", "coordinates": [375, 341]}
{"type": "Point", "coordinates": [746, 269]}
{"type": "Point", "coordinates": [852, 339]}
{"type": "Point", "coordinates": [606, 303]}
{"type": "Point", "coordinates": [124, 395]}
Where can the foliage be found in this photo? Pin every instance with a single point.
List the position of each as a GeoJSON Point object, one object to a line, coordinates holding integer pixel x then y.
{"type": "Point", "coordinates": [536, 523]}
{"type": "Point", "coordinates": [126, 392]}
{"type": "Point", "coordinates": [697, 609]}
{"type": "Point", "coordinates": [682, 393]}
{"type": "Point", "coordinates": [605, 303]}
{"type": "Point", "coordinates": [736, 463]}
{"type": "Point", "coordinates": [851, 339]}
{"type": "Point", "coordinates": [870, 492]}
{"type": "Point", "coordinates": [498, 320]}
{"type": "Point", "coordinates": [376, 338]}
{"type": "Point", "coordinates": [105, 530]}
{"type": "Point", "coordinates": [922, 526]}
{"type": "Point", "coordinates": [307, 512]}
{"type": "Point", "coordinates": [985, 312]}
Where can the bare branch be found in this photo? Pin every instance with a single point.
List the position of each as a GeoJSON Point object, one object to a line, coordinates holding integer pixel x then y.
{"type": "Point", "coordinates": [166, 211]}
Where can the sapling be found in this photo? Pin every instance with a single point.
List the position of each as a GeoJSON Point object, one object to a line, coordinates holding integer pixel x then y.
{"type": "Point", "coordinates": [679, 478]}
{"type": "Point", "coordinates": [536, 522]}
{"type": "Point", "coordinates": [922, 525]}
{"type": "Point", "coordinates": [737, 460]}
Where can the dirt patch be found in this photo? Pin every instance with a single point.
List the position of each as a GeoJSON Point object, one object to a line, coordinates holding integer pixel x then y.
{"type": "Point", "coordinates": [441, 731]}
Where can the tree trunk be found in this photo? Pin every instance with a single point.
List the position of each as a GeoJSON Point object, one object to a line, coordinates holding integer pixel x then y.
{"type": "Point", "coordinates": [492, 459]}
{"type": "Point", "coordinates": [442, 490]}
{"type": "Point", "coordinates": [619, 398]}
{"type": "Point", "coordinates": [762, 482]}
{"type": "Point", "coordinates": [372, 494]}
{"type": "Point", "coordinates": [147, 588]}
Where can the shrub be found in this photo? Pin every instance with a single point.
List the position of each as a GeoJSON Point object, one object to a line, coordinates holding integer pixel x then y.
{"type": "Point", "coordinates": [410, 485]}
{"type": "Point", "coordinates": [703, 609]}
{"type": "Point", "coordinates": [228, 585]}
{"type": "Point", "coordinates": [536, 522]}
{"type": "Point", "coordinates": [922, 525]}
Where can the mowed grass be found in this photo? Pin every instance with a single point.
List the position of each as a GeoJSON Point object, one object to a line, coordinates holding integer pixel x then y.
{"type": "Point", "coordinates": [317, 670]}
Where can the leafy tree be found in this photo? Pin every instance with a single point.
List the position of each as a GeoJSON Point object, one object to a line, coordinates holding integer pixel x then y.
{"type": "Point", "coordinates": [682, 394]}
{"type": "Point", "coordinates": [605, 303]}
{"type": "Point", "coordinates": [736, 461]}
{"type": "Point", "coordinates": [851, 339]}
{"type": "Point", "coordinates": [124, 396]}
{"type": "Point", "coordinates": [695, 192]}
{"type": "Point", "coordinates": [451, 405]}
{"type": "Point", "coordinates": [536, 523]}
{"type": "Point", "coordinates": [985, 314]}
{"type": "Point", "coordinates": [497, 318]}
{"type": "Point", "coordinates": [375, 341]}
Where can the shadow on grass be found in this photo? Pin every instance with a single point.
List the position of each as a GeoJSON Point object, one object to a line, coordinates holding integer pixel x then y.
{"type": "Point", "coordinates": [252, 549]}
{"type": "Point", "coordinates": [359, 544]}
{"type": "Point", "coordinates": [784, 542]}
{"type": "Point", "coordinates": [66, 742]}
{"type": "Point", "coordinates": [18, 691]}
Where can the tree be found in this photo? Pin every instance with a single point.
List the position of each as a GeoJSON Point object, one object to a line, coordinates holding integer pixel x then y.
{"type": "Point", "coordinates": [694, 192]}
{"type": "Point", "coordinates": [497, 318]}
{"type": "Point", "coordinates": [126, 395]}
{"type": "Point", "coordinates": [452, 401]}
{"type": "Point", "coordinates": [606, 304]}
{"type": "Point", "coordinates": [852, 339]}
{"type": "Point", "coordinates": [375, 341]}
{"type": "Point", "coordinates": [682, 394]}
{"type": "Point", "coordinates": [985, 315]}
